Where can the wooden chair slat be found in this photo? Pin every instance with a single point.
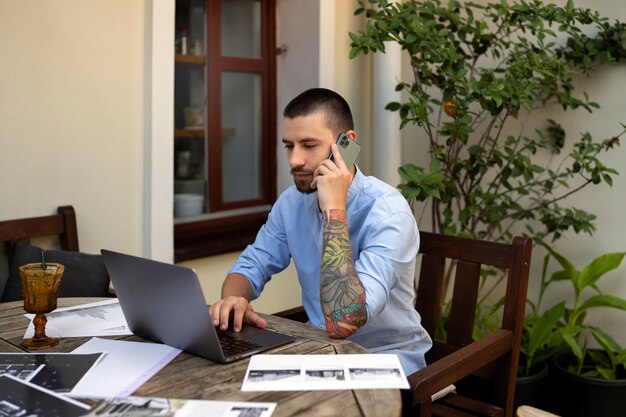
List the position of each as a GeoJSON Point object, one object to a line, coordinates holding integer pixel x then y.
{"type": "Point", "coordinates": [62, 224]}
{"type": "Point", "coordinates": [464, 298]}
{"type": "Point", "coordinates": [429, 292]}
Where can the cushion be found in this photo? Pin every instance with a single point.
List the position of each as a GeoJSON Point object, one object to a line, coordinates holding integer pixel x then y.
{"type": "Point", "coordinates": [85, 274]}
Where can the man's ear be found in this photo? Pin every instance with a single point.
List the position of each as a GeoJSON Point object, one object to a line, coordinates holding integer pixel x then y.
{"type": "Point", "coordinates": [351, 134]}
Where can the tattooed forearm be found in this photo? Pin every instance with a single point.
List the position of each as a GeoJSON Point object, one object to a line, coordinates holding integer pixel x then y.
{"type": "Point", "coordinates": [342, 295]}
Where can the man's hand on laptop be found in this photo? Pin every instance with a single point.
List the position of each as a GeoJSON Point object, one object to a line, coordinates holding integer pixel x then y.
{"type": "Point", "coordinates": [240, 310]}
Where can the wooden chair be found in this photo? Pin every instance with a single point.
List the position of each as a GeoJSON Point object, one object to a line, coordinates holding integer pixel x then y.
{"type": "Point", "coordinates": [62, 224]}
{"type": "Point", "coordinates": [85, 274]}
{"type": "Point", "coordinates": [491, 361]}
{"type": "Point", "coordinates": [488, 364]}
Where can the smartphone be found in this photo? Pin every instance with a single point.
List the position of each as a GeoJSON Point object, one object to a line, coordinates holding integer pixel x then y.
{"type": "Point", "coordinates": [348, 148]}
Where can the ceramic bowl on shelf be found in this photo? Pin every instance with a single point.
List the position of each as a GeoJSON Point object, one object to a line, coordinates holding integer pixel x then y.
{"type": "Point", "coordinates": [186, 205]}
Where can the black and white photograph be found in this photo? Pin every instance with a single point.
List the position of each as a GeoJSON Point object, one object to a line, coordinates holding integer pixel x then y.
{"type": "Point", "coordinates": [171, 407]}
{"type": "Point", "coordinates": [58, 372]}
{"type": "Point", "coordinates": [21, 398]}
{"type": "Point", "coordinates": [247, 411]}
{"type": "Point", "coordinates": [20, 365]}
{"type": "Point", "coordinates": [375, 374]}
{"type": "Point", "coordinates": [264, 375]}
{"type": "Point", "coordinates": [324, 375]}
{"type": "Point", "coordinates": [134, 407]}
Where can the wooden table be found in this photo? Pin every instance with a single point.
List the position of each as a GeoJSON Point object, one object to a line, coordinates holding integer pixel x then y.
{"type": "Point", "coordinates": [192, 377]}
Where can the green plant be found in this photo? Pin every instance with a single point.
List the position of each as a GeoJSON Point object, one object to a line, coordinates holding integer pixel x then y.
{"type": "Point", "coordinates": [493, 65]}
{"type": "Point", "coordinates": [480, 72]}
{"type": "Point", "coordinates": [571, 326]}
{"type": "Point", "coordinates": [606, 363]}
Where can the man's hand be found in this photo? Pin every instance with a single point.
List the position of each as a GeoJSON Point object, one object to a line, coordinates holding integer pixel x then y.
{"type": "Point", "coordinates": [332, 181]}
{"type": "Point", "coordinates": [234, 303]}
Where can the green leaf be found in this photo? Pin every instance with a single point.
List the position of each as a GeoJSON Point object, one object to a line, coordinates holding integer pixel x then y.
{"type": "Point", "coordinates": [393, 106]}
{"type": "Point", "coordinates": [567, 266]}
{"type": "Point", "coordinates": [435, 165]}
{"type": "Point", "coordinates": [598, 267]}
{"type": "Point", "coordinates": [573, 345]}
{"type": "Point", "coordinates": [432, 178]}
{"type": "Point", "coordinates": [541, 330]}
{"type": "Point", "coordinates": [621, 358]}
{"type": "Point", "coordinates": [607, 342]}
{"type": "Point", "coordinates": [603, 300]}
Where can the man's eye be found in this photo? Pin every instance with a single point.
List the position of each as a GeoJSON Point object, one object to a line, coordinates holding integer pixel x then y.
{"type": "Point", "coordinates": [288, 146]}
{"type": "Point", "coordinates": [309, 146]}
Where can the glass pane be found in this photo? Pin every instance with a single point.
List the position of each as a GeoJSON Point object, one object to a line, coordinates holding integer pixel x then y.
{"type": "Point", "coordinates": [241, 28]}
{"type": "Point", "coordinates": [190, 173]}
{"type": "Point", "coordinates": [241, 136]}
{"type": "Point", "coordinates": [190, 30]}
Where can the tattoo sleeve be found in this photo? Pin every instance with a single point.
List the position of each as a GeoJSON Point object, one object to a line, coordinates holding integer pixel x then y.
{"type": "Point", "coordinates": [341, 292]}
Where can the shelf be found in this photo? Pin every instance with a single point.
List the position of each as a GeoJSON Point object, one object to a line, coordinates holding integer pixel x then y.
{"type": "Point", "coordinates": [189, 133]}
{"type": "Point", "coordinates": [189, 59]}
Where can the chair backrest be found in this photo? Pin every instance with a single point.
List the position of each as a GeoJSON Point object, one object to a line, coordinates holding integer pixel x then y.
{"type": "Point", "coordinates": [469, 257]}
{"type": "Point", "coordinates": [62, 224]}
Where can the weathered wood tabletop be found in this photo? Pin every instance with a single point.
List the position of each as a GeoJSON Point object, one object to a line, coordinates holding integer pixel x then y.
{"type": "Point", "coordinates": [192, 377]}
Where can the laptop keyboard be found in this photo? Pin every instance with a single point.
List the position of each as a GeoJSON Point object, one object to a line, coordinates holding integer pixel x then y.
{"type": "Point", "coordinates": [233, 346]}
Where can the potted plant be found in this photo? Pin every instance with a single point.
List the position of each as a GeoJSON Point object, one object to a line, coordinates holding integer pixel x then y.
{"type": "Point", "coordinates": [590, 381]}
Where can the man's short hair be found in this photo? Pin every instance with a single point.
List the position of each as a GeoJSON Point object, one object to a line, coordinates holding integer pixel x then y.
{"type": "Point", "coordinates": [336, 109]}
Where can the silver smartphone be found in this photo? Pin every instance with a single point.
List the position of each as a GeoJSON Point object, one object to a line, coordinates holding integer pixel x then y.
{"type": "Point", "coordinates": [348, 148]}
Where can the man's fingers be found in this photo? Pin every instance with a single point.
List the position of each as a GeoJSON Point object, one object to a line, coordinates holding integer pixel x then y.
{"type": "Point", "coordinates": [253, 318]}
{"type": "Point", "coordinates": [224, 314]}
{"type": "Point", "coordinates": [240, 310]}
{"type": "Point", "coordinates": [238, 319]}
{"type": "Point", "coordinates": [339, 162]}
{"type": "Point", "coordinates": [214, 310]}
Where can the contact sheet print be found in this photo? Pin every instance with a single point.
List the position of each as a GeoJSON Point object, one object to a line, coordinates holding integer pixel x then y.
{"type": "Point", "coordinates": [323, 372]}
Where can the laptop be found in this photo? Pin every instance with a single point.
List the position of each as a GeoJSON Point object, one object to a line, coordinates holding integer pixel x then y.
{"type": "Point", "coordinates": [164, 303]}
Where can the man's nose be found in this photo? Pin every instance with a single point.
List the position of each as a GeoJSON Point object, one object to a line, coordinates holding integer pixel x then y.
{"type": "Point", "coordinates": [296, 158]}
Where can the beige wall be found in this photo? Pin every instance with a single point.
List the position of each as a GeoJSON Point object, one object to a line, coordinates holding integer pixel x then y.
{"type": "Point", "coordinates": [71, 115]}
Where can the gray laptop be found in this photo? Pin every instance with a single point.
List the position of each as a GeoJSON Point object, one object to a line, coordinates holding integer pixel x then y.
{"type": "Point", "coordinates": [164, 303]}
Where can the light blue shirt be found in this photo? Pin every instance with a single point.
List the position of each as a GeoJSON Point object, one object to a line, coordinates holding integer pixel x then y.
{"type": "Point", "coordinates": [384, 241]}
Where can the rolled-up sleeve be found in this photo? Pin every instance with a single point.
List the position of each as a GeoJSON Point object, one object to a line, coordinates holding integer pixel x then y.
{"type": "Point", "coordinates": [268, 255]}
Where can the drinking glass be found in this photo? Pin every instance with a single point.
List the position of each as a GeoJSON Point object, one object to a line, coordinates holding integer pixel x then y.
{"type": "Point", "coordinates": [40, 287]}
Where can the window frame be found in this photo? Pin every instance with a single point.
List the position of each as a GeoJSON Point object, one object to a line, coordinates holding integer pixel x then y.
{"type": "Point", "coordinates": [228, 233]}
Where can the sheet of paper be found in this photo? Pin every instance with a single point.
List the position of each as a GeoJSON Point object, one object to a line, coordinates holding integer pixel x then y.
{"type": "Point", "coordinates": [179, 408]}
{"type": "Point", "coordinates": [21, 398]}
{"type": "Point", "coordinates": [102, 318]}
{"type": "Point", "coordinates": [323, 372]}
{"type": "Point", "coordinates": [123, 369]}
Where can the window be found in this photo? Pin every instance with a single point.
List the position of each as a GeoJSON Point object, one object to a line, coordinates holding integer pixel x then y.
{"type": "Point", "coordinates": [225, 129]}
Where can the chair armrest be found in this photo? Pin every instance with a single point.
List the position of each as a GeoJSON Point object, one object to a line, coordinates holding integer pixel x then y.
{"type": "Point", "coordinates": [459, 364]}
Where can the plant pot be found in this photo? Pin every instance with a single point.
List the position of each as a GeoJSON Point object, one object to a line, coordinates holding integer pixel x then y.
{"type": "Point", "coordinates": [585, 396]}
{"type": "Point", "coordinates": [530, 390]}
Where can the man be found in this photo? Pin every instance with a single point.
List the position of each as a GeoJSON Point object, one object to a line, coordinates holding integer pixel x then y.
{"type": "Point", "coordinates": [353, 240]}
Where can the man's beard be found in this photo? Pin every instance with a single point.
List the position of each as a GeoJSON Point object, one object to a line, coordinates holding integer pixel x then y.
{"type": "Point", "coordinates": [304, 186]}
